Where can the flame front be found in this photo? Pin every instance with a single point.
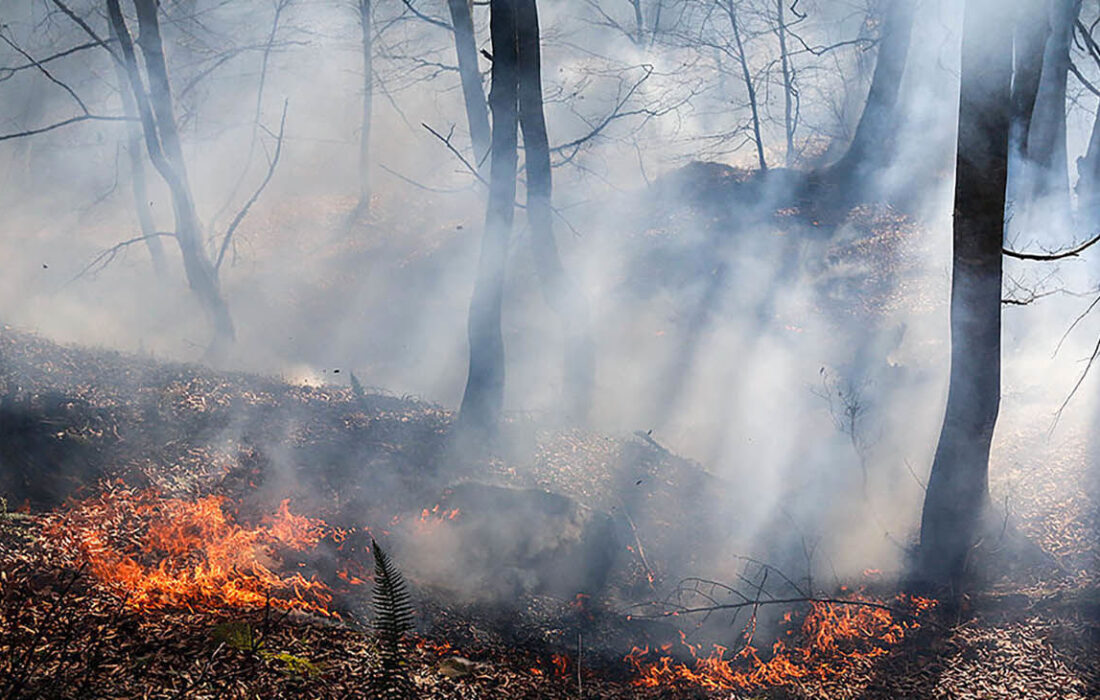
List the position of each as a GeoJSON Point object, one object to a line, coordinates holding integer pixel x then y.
{"type": "Point", "coordinates": [161, 552]}
{"type": "Point", "coordinates": [833, 639]}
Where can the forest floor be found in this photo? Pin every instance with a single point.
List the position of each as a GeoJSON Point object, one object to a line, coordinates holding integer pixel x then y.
{"type": "Point", "coordinates": [87, 430]}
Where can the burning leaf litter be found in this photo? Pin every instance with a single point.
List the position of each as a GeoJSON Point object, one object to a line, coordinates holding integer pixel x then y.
{"type": "Point", "coordinates": [158, 552]}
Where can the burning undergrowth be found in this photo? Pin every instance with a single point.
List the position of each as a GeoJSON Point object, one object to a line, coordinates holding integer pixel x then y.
{"type": "Point", "coordinates": [158, 552]}
{"type": "Point", "coordinates": [831, 639]}
{"type": "Point", "coordinates": [128, 586]}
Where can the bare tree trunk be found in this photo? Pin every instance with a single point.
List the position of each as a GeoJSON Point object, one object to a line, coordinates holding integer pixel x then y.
{"type": "Point", "coordinates": [1046, 139]}
{"type": "Point", "coordinates": [477, 111]}
{"type": "Point", "coordinates": [639, 22]}
{"type": "Point", "coordinates": [958, 488]}
{"type": "Point", "coordinates": [731, 10]}
{"type": "Point", "coordinates": [562, 293]}
{"type": "Point", "coordinates": [137, 172]}
{"type": "Point", "coordinates": [872, 144]}
{"type": "Point", "coordinates": [1031, 32]}
{"type": "Point", "coordinates": [368, 101]}
{"type": "Point", "coordinates": [483, 399]}
{"type": "Point", "coordinates": [788, 82]}
{"type": "Point", "coordinates": [163, 145]}
{"type": "Point", "coordinates": [1088, 183]}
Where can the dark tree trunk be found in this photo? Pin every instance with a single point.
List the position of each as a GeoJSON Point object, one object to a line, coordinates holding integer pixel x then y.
{"type": "Point", "coordinates": [368, 101]}
{"type": "Point", "coordinates": [958, 492]}
{"type": "Point", "coordinates": [163, 145]}
{"type": "Point", "coordinates": [137, 172]}
{"type": "Point", "coordinates": [563, 295]}
{"type": "Point", "coordinates": [477, 111]}
{"type": "Point", "coordinates": [872, 145]}
{"type": "Point", "coordinates": [1046, 139]}
{"type": "Point", "coordinates": [484, 396]}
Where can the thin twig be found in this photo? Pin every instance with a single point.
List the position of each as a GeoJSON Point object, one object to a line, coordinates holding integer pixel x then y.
{"type": "Point", "coordinates": [255, 195]}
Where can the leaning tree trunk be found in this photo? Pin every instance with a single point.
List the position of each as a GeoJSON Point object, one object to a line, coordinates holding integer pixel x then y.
{"type": "Point", "coordinates": [958, 492]}
{"type": "Point", "coordinates": [477, 111]}
{"type": "Point", "coordinates": [872, 145]}
{"type": "Point", "coordinates": [1046, 139]}
{"type": "Point", "coordinates": [563, 295]}
{"type": "Point", "coordinates": [137, 172]}
{"type": "Point", "coordinates": [368, 101]}
{"type": "Point", "coordinates": [163, 145]}
{"type": "Point", "coordinates": [484, 396]}
{"type": "Point", "coordinates": [731, 11]}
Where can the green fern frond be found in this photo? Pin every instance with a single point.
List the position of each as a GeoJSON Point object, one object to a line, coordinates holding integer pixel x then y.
{"type": "Point", "coordinates": [393, 621]}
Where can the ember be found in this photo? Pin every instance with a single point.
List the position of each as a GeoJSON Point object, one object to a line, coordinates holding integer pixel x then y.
{"type": "Point", "coordinates": [160, 552]}
{"type": "Point", "coordinates": [833, 638]}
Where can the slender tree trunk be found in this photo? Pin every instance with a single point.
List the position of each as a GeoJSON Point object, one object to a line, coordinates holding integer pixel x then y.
{"type": "Point", "coordinates": [731, 10]}
{"type": "Point", "coordinates": [872, 144]}
{"type": "Point", "coordinates": [1046, 139]}
{"type": "Point", "coordinates": [958, 489]}
{"type": "Point", "coordinates": [477, 111]}
{"type": "Point", "coordinates": [163, 145]}
{"type": "Point", "coordinates": [563, 295]}
{"type": "Point", "coordinates": [639, 22]}
{"type": "Point", "coordinates": [368, 101]}
{"type": "Point", "coordinates": [483, 399]}
{"type": "Point", "coordinates": [788, 82]}
{"type": "Point", "coordinates": [137, 172]}
{"type": "Point", "coordinates": [1088, 183]}
{"type": "Point", "coordinates": [1031, 32]}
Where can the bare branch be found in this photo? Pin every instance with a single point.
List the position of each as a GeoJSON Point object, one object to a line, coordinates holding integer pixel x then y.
{"type": "Point", "coordinates": [255, 195]}
{"type": "Point", "coordinates": [106, 257]}
{"type": "Point", "coordinates": [64, 122]}
{"type": "Point", "coordinates": [1059, 255]}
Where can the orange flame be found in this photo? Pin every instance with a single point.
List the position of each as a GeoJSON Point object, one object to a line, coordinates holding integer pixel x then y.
{"type": "Point", "coordinates": [162, 552]}
{"type": "Point", "coordinates": [833, 638]}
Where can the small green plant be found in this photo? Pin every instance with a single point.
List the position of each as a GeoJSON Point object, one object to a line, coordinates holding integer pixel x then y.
{"type": "Point", "coordinates": [393, 621]}
{"type": "Point", "coordinates": [243, 637]}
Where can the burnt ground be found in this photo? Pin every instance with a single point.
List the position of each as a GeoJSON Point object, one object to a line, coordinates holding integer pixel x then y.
{"type": "Point", "coordinates": [75, 421]}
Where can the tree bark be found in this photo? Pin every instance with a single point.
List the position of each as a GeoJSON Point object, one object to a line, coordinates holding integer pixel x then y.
{"type": "Point", "coordinates": [958, 491]}
{"type": "Point", "coordinates": [562, 293]}
{"type": "Point", "coordinates": [163, 145]}
{"type": "Point", "coordinates": [483, 399]}
{"type": "Point", "coordinates": [873, 141]}
{"type": "Point", "coordinates": [477, 111]}
{"type": "Point", "coordinates": [368, 102]}
{"type": "Point", "coordinates": [1046, 139]}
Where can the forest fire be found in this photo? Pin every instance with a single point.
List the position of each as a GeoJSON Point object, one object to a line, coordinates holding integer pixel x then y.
{"type": "Point", "coordinates": [160, 552]}
{"type": "Point", "coordinates": [833, 638]}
